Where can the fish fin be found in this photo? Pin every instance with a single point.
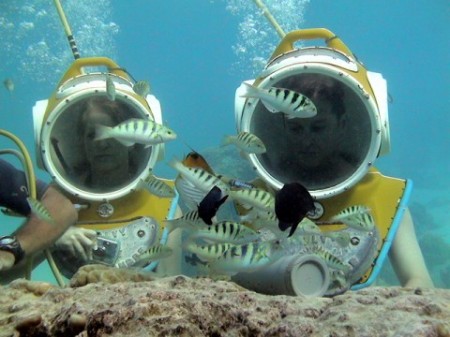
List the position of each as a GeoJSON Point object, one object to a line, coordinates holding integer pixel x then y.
{"type": "Point", "coordinates": [254, 92]}
{"type": "Point", "coordinates": [175, 164]}
{"type": "Point", "coordinates": [222, 201]}
{"type": "Point", "coordinates": [102, 132]}
{"type": "Point", "coordinates": [270, 107]}
{"type": "Point", "coordinates": [293, 228]}
{"type": "Point", "coordinates": [226, 140]}
{"type": "Point", "coordinates": [304, 114]}
{"type": "Point", "coordinates": [126, 143]}
{"type": "Point", "coordinates": [283, 225]}
{"type": "Point", "coordinates": [250, 91]}
{"type": "Point", "coordinates": [349, 213]}
{"type": "Point", "coordinates": [189, 194]}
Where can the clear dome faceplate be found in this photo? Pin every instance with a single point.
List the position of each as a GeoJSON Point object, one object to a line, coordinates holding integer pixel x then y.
{"type": "Point", "coordinates": [327, 153]}
{"type": "Point", "coordinates": [70, 151]}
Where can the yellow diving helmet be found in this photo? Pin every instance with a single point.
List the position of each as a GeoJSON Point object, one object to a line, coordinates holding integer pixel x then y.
{"type": "Point", "coordinates": [125, 215]}
{"type": "Point", "coordinates": [57, 134]}
{"type": "Point", "coordinates": [364, 99]}
{"type": "Point", "coordinates": [331, 151]}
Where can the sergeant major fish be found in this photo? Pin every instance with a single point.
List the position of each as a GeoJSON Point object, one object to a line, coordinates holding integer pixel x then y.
{"type": "Point", "coordinates": [154, 253]}
{"type": "Point", "coordinates": [157, 187]}
{"type": "Point", "coordinates": [254, 197]}
{"type": "Point", "coordinates": [189, 220]}
{"type": "Point", "coordinates": [248, 257]}
{"type": "Point", "coordinates": [199, 177]}
{"type": "Point", "coordinates": [292, 103]}
{"type": "Point", "coordinates": [332, 260]}
{"type": "Point", "coordinates": [247, 142]}
{"type": "Point", "coordinates": [226, 231]}
{"type": "Point", "coordinates": [207, 252]}
{"type": "Point", "coordinates": [356, 217]}
{"type": "Point", "coordinates": [135, 130]}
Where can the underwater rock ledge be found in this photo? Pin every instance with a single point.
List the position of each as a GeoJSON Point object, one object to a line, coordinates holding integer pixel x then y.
{"type": "Point", "coordinates": [183, 306]}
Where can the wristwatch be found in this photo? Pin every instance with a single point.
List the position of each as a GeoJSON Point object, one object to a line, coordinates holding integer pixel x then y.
{"type": "Point", "coordinates": [10, 244]}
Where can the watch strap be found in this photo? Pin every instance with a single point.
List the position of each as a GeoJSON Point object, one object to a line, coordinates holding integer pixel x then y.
{"type": "Point", "coordinates": [11, 244]}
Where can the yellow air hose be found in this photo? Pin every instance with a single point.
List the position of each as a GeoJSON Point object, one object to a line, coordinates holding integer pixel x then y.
{"type": "Point", "coordinates": [270, 17]}
{"type": "Point", "coordinates": [31, 182]}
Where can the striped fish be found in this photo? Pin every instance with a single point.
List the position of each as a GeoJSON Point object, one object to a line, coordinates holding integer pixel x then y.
{"type": "Point", "coordinates": [226, 231]}
{"type": "Point", "coordinates": [190, 220]}
{"type": "Point", "coordinates": [341, 238]}
{"type": "Point", "coordinates": [292, 103]}
{"type": "Point", "coordinates": [135, 130]}
{"type": "Point", "coordinates": [40, 211]}
{"type": "Point", "coordinates": [254, 197]}
{"type": "Point", "coordinates": [142, 88]}
{"type": "Point", "coordinates": [248, 257]}
{"type": "Point", "coordinates": [110, 88]}
{"type": "Point", "coordinates": [356, 217]}
{"type": "Point", "coordinates": [155, 253]}
{"type": "Point", "coordinates": [306, 226]}
{"type": "Point", "coordinates": [332, 260]}
{"type": "Point", "coordinates": [261, 219]}
{"type": "Point", "coordinates": [208, 252]}
{"type": "Point", "coordinates": [157, 187]}
{"type": "Point", "coordinates": [247, 142]}
{"type": "Point", "coordinates": [199, 177]}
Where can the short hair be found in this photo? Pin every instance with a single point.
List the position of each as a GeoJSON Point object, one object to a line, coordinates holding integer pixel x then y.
{"type": "Point", "coordinates": [318, 87]}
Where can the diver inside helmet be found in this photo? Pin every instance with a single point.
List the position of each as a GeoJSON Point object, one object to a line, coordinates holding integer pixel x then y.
{"type": "Point", "coordinates": [319, 152]}
{"type": "Point", "coordinates": [89, 164]}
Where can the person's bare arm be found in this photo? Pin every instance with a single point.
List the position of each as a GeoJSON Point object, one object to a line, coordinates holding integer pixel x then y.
{"type": "Point", "coordinates": [36, 235]}
{"type": "Point", "coordinates": [406, 256]}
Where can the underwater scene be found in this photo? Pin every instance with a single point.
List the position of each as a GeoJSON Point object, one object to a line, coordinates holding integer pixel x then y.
{"type": "Point", "coordinates": [196, 54]}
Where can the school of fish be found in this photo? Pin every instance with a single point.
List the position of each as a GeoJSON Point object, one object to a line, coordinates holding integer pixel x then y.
{"type": "Point", "coordinates": [228, 247]}
{"type": "Point", "coordinates": [257, 238]}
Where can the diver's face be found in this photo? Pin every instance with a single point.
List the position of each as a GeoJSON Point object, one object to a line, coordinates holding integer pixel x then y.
{"type": "Point", "coordinates": [103, 155]}
{"type": "Point", "coordinates": [314, 141]}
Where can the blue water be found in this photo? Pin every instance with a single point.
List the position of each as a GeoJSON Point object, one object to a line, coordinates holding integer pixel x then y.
{"type": "Point", "coordinates": [196, 53]}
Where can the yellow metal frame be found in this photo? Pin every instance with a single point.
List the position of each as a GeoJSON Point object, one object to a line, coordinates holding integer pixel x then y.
{"type": "Point", "coordinates": [380, 193]}
{"type": "Point", "coordinates": [332, 41]}
{"type": "Point", "coordinates": [77, 70]}
{"type": "Point", "coordinates": [137, 204]}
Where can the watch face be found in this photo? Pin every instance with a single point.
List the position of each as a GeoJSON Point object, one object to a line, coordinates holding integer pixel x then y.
{"type": "Point", "coordinates": [6, 240]}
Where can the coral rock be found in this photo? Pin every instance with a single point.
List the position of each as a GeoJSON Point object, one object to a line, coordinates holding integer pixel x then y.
{"type": "Point", "coordinates": [182, 306]}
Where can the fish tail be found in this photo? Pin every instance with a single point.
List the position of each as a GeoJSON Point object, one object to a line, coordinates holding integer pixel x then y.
{"type": "Point", "coordinates": [102, 132]}
{"type": "Point", "coordinates": [250, 91]}
{"type": "Point", "coordinates": [176, 164]}
{"type": "Point", "coordinates": [227, 140]}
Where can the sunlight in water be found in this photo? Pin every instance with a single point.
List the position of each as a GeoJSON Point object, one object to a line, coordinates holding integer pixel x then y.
{"type": "Point", "coordinates": [257, 39]}
{"type": "Point", "coordinates": [33, 36]}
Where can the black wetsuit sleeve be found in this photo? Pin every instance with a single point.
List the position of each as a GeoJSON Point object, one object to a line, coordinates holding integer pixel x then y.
{"type": "Point", "coordinates": [13, 188]}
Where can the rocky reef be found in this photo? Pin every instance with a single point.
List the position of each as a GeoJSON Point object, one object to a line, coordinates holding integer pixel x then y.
{"type": "Point", "coordinates": [103, 301]}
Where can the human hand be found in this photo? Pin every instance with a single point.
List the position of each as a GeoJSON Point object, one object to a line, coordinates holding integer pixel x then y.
{"type": "Point", "coordinates": [78, 241]}
{"type": "Point", "coordinates": [6, 260]}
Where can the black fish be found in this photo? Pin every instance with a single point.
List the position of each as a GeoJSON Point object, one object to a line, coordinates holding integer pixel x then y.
{"type": "Point", "coordinates": [210, 204]}
{"type": "Point", "coordinates": [292, 203]}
